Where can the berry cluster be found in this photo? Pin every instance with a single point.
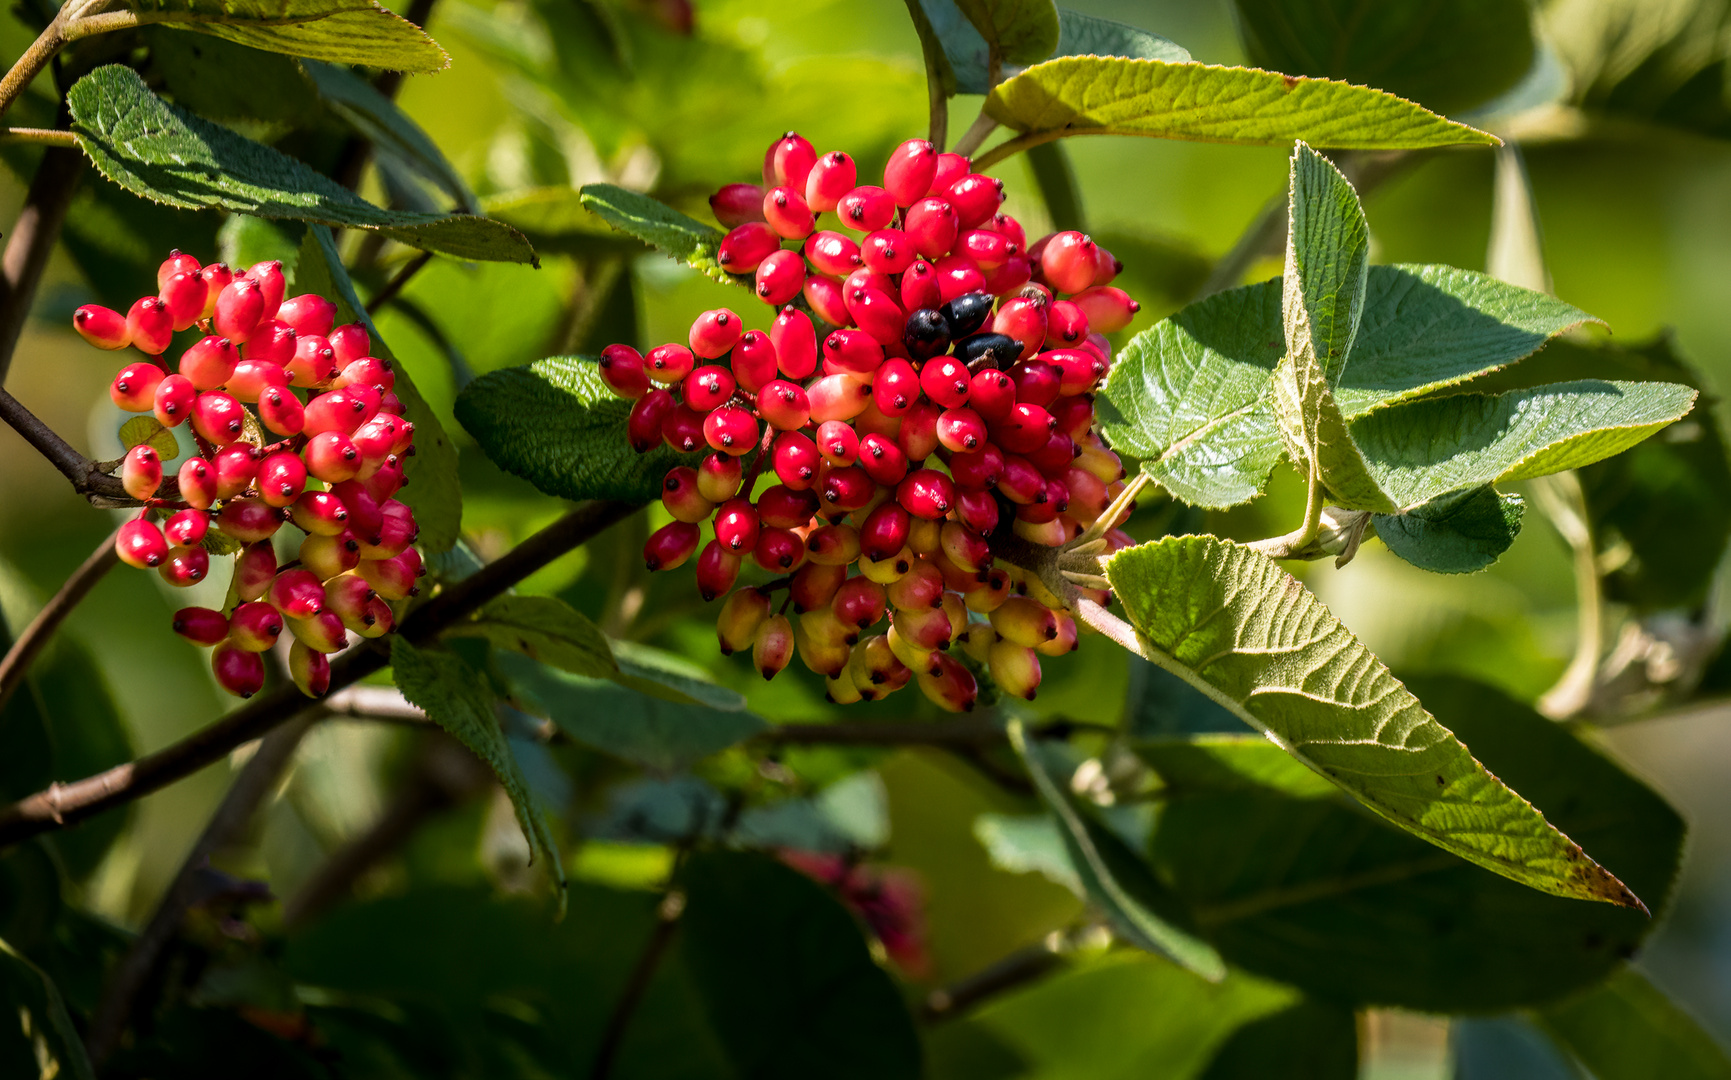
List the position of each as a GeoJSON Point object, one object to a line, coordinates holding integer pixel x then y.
{"type": "Point", "coordinates": [945, 405]}
{"type": "Point", "coordinates": [329, 462]}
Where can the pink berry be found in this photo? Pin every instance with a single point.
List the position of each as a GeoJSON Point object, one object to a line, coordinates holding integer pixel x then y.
{"type": "Point", "coordinates": [714, 333]}
{"type": "Point", "coordinates": [311, 315]}
{"type": "Point", "coordinates": [780, 277]}
{"type": "Point", "coordinates": [186, 566]}
{"type": "Point", "coordinates": [795, 460]}
{"type": "Point", "coordinates": [795, 343]}
{"type": "Point", "coordinates": [240, 673]}
{"type": "Point", "coordinates": [150, 326]}
{"type": "Point", "coordinates": [1079, 370]}
{"type": "Point", "coordinates": [252, 377]}
{"type": "Point", "coordinates": [281, 478]}
{"type": "Point", "coordinates": [103, 327]}
{"type": "Point", "coordinates": [918, 434]}
{"type": "Point", "coordinates": [719, 477]}
{"type": "Point", "coordinates": [271, 285]}
{"type": "Point", "coordinates": [255, 626]}
{"type": "Point", "coordinates": [239, 310]}
{"type": "Point", "coordinates": [958, 276]}
{"type": "Point", "coordinates": [254, 570]}
{"type": "Point", "coordinates": [297, 594]}
{"type": "Point", "coordinates": [350, 342]}
{"type": "Point", "coordinates": [141, 471]}
{"type": "Point", "coordinates": [746, 246]}
{"type": "Point", "coordinates": [788, 161]}
{"type": "Point", "coordinates": [1068, 262]}
{"type": "Point", "coordinates": [877, 314]}
{"type": "Point", "coordinates": [709, 387]}
{"type": "Point", "coordinates": [961, 430]}
{"type": "Point", "coordinates": [201, 626]}
{"type": "Point", "coordinates": [140, 544]}
{"type": "Point", "coordinates": [319, 513]}
{"type": "Point", "coordinates": [134, 389]}
{"type": "Point", "coordinates": [218, 417]}
{"type": "Point", "coordinates": [985, 249]}
{"type": "Point", "coordinates": [248, 520]}
{"type": "Point", "coordinates": [866, 209]}
{"type": "Point", "coordinates": [314, 361]}
{"type": "Point", "coordinates": [217, 277]}
{"type": "Point", "coordinates": [951, 167]}
{"type": "Point", "coordinates": [830, 178]}
{"type": "Point", "coordinates": [731, 430]}
{"type": "Point", "coordinates": [366, 519]}
{"type": "Point", "coordinates": [832, 253]}
{"type": "Point", "coordinates": [669, 546]}
{"type": "Point", "coordinates": [271, 340]}
{"type": "Point", "coordinates": [838, 397]}
{"type": "Point", "coordinates": [669, 364]}
{"type": "Point", "coordinates": [175, 399]}
{"type": "Point", "coordinates": [737, 525]}
{"type": "Point", "coordinates": [976, 198]}
{"type": "Point", "coordinates": [233, 468]}
{"type": "Point", "coordinates": [1010, 277]}
{"type": "Point", "coordinates": [737, 204]}
{"type": "Point", "coordinates": [340, 410]}
{"type": "Point", "coordinates": [1107, 309]}
{"type": "Point", "coordinates": [643, 425]}
{"type": "Point", "coordinates": [910, 171]}
{"type": "Point", "coordinates": [860, 601]}
{"type": "Point", "coordinates": [395, 578]}
{"type": "Point", "coordinates": [197, 482]}
{"type": "Point", "coordinates": [753, 361]}
{"type": "Point", "coordinates": [622, 370]}
{"type": "Point", "coordinates": [784, 405]}
{"type": "Point", "coordinates": [365, 371]}
{"type": "Point", "coordinates": [824, 296]}
{"type": "Point", "coordinates": [184, 295]}
{"type": "Point", "coordinates": [1106, 265]}
{"type": "Point", "coordinates": [681, 497]}
{"type": "Point", "coordinates": [837, 442]}
{"type": "Point", "coordinates": [785, 210]}
{"type": "Point", "coordinates": [311, 670]}
{"type": "Point", "coordinates": [210, 362]}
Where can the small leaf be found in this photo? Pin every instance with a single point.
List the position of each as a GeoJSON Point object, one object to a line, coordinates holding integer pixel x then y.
{"type": "Point", "coordinates": [1628, 1029]}
{"type": "Point", "coordinates": [1099, 859]}
{"type": "Point", "coordinates": [671, 677]}
{"type": "Point", "coordinates": [1017, 31]}
{"type": "Point", "coordinates": [1090, 35]}
{"type": "Point", "coordinates": [458, 699]}
{"type": "Point", "coordinates": [1309, 1040]}
{"type": "Point", "coordinates": [1237, 627]}
{"type": "Point", "coordinates": [162, 153]}
{"type": "Point", "coordinates": [378, 119]}
{"type": "Point", "coordinates": [661, 227]}
{"type": "Point", "coordinates": [432, 489]}
{"type": "Point", "coordinates": [558, 426]}
{"type": "Point", "coordinates": [32, 998]}
{"type": "Point", "coordinates": [1028, 844]}
{"type": "Point", "coordinates": [543, 628]}
{"type": "Point", "coordinates": [1087, 95]}
{"type": "Point", "coordinates": [967, 57]}
{"type": "Point", "coordinates": [1459, 538]}
{"type": "Point", "coordinates": [339, 31]}
{"type": "Point", "coordinates": [785, 977]}
{"type": "Point", "coordinates": [147, 429]}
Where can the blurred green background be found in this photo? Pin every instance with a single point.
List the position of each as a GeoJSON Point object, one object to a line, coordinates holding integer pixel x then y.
{"type": "Point", "coordinates": [1636, 228]}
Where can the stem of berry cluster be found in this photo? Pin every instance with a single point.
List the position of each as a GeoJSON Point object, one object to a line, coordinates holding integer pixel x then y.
{"type": "Point", "coordinates": [18, 659]}
{"type": "Point", "coordinates": [60, 805]}
{"type": "Point", "coordinates": [87, 477]}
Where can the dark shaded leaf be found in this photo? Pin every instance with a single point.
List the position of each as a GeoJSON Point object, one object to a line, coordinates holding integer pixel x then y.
{"type": "Point", "coordinates": [1459, 538]}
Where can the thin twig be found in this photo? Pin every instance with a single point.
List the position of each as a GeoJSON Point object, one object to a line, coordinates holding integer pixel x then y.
{"type": "Point", "coordinates": [395, 285]}
{"type": "Point", "coordinates": [971, 139]}
{"type": "Point", "coordinates": [648, 961]}
{"type": "Point", "coordinates": [256, 780]}
{"type": "Point", "coordinates": [87, 478]}
{"type": "Point", "coordinates": [41, 136]}
{"type": "Point", "coordinates": [25, 69]}
{"type": "Point", "coordinates": [16, 664]}
{"type": "Point", "coordinates": [60, 805]}
{"type": "Point", "coordinates": [374, 703]}
{"type": "Point", "coordinates": [1016, 970]}
{"type": "Point", "coordinates": [1293, 545]}
{"type": "Point", "coordinates": [969, 731]}
{"type": "Point", "coordinates": [32, 241]}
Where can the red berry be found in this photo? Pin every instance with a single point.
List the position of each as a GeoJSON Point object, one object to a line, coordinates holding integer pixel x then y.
{"type": "Point", "coordinates": [321, 633]}
{"type": "Point", "coordinates": [310, 670]}
{"type": "Point", "coordinates": [218, 418]}
{"type": "Point", "coordinates": [251, 377]}
{"type": "Point", "coordinates": [772, 645]}
{"type": "Point", "coordinates": [395, 578]}
{"type": "Point", "coordinates": [731, 430]}
{"type": "Point", "coordinates": [270, 283]}
{"type": "Point", "coordinates": [884, 531]}
{"type": "Point", "coordinates": [1010, 277]}
{"type": "Point", "coordinates": [103, 327]}
{"type": "Point", "coordinates": [643, 425]}
{"type": "Point", "coordinates": [134, 389]}
{"type": "Point", "coordinates": [753, 361]}
{"type": "Point", "coordinates": [1079, 370]}
{"type": "Point", "coordinates": [831, 177]}
{"type": "Point", "coordinates": [859, 602]}
{"type": "Point", "coordinates": [178, 262]}
{"type": "Point", "coordinates": [1021, 482]}
{"type": "Point", "coordinates": [254, 570]}
{"type": "Point", "coordinates": [919, 287]}
{"type": "Point", "coordinates": [832, 253]}
{"type": "Point", "coordinates": [141, 471]}
{"type": "Point", "coordinates": [1075, 415]}
{"type": "Point", "coordinates": [186, 566]}
{"type": "Point", "coordinates": [201, 626]}
{"type": "Point", "coordinates": [1066, 324]}
{"type": "Point", "coordinates": [311, 315]}
{"type": "Point", "coordinates": [866, 208]}
{"type": "Point", "coordinates": [815, 585]}
{"type": "Point", "coordinates": [746, 246]}
{"type": "Point", "coordinates": [795, 343]}
{"type": "Point", "coordinates": [839, 397]}
{"type": "Point", "coordinates": [281, 478]}
{"type": "Point", "coordinates": [780, 277]}
{"type": "Point", "coordinates": [951, 167]}
{"type": "Point", "coordinates": [785, 210]}
{"type": "Point", "coordinates": [669, 364]}
{"type": "Point", "coordinates": [281, 411]}
{"type": "Point", "coordinates": [150, 326]}
{"type": "Point", "coordinates": [961, 430]}
{"type": "Point", "coordinates": [717, 570]}
{"type": "Point", "coordinates": [737, 525]}
{"type": "Point", "coordinates": [795, 460]}
{"type": "Point", "coordinates": [1022, 318]}
{"type": "Point", "coordinates": [926, 493]}
{"type": "Point", "coordinates": [366, 519]}
{"type": "Point", "coordinates": [271, 340]}
{"type": "Point", "coordinates": [788, 161]}
{"type": "Point", "coordinates": [683, 429]}
{"type": "Point", "coordinates": [979, 468]}
{"type": "Point", "coordinates": [679, 494]}
{"type": "Point", "coordinates": [197, 482]}
{"type": "Point", "coordinates": [918, 435]}
{"type": "Point", "coordinates": [239, 310]}
{"type": "Point", "coordinates": [669, 546]}
{"type": "Point", "coordinates": [234, 467]}
{"type": "Point", "coordinates": [314, 361]}
{"type": "Point", "coordinates": [209, 363]}
{"type": "Point", "coordinates": [708, 387]}
{"type": "Point", "coordinates": [365, 371]}
{"type": "Point", "coordinates": [184, 294]}
{"type": "Point", "coordinates": [347, 596]}
{"type": "Point", "coordinates": [784, 507]}
{"type": "Point", "coordinates": [837, 442]}
{"type": "Point", "coordinates": [977, 510]}
{"type": "Point", "coordinates": [719, 477]}
{"type": "Point", "coordinates": [946, 381]}
{"type": "Point", "coordinates": [248, 520]}
{"type": "Point", "coordinates": [319, 513]}
{"type": "Point", "coordinates": [240, 673]}
{"type": "Point", "coordinates": [895, 387]}
{"type": "Point", "coordinates": [1025, 430]}
{"type": "Point", "coordinates": [333, 457]}
{"type": "Point", "coordinates": [932, 226]}
{"type": "Point", "coordinates": [1037, 382]}
{"type": "Point", "coordinates": [778, 550]}
{"type": "Point", "coordinates": [910, 171]}
{"type": "Point", "coordinates": [1106, 309]}
{"type": "Point", "coordinates": [784, 405]}
{"type": "Point", "coordinates": [958, 276]}
{"type": "Point", "coordinates": [140, 544]}
{"type": "Point", "coordinates": [341, 411]}
{"type": "Point", "coordinates": [852, 351]}
{"type": "Point", "coordinates": [350, 341]}
{"type": "Point", "coordinates": [992, 394]}
{"type": "Point", "coordinates": [976, 198]}
{"type": "Point", "coordinates": [297, 593]}
{"type": "Point", "coordinates": [824, 296]}
{"type": "Point", "coordinates": [736, 204]}
{"type": "Point", "coordinates": [882, 459]}
{"type": "Point", "coordinates": [1068, 262]}
{"type": "Point", "coordinates": [877, 313]}
{"type": "Point", "coordinates": [715, 332]}
{"type": "Point", "coordinates": [1054, 456]}
{"type": "Point", "coordinates": [217, 277]}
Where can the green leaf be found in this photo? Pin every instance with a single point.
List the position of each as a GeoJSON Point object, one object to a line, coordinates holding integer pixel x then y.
{"type": "Point", "coordinates": [555, 220]}
{"type": "Point", "coordinates": [1322, 300]}
{"type": "Point", "coordinates": [1451, 56]}
{"type": "Point", "coordinates": [1090, 35]}
{"type": "Point", "coordinates": [671, 677]}
{"type": "Point", "coordinates": [432, 489]}
{"type": "Point", "coordinates": [147, 429]}
{"type": "Point", "coordinates": [1660, 64]}
{"type": "Point", "coordinates": [1628, 1029]}
{"type": "Point", "coordinates": [543, 628]}
{"type": "Point", "coordinates": [200, 73]}
{"type": "Point", "coordinates": [340, 31]}
{"type": "Point", "coordinates": [1442, 449]}
{"type": "Point", "coordinates": [1234, 625]}
{"type": "Point", "coordinates": [1088, 95]}
{"type": "Point", "coordinates": [785, 976]}
{"type": "Point", "coordinates": [1029, 844]}
{"type": "Point", "coordinates": [162, 153]}
{"type": "Point", "coordinates": [457, 698]}
{"type": "Point", "coordinates": [558, 426]}
{"type": "Point", "coordinates": [1296, 883]}
{"type": "Point", "coordinates": [1016, 31]}
{"type": "Point", "coordinates": [32, 999]}
{"type": "Point", "coordinates": [1100, 861]}
{"type": "Point", "coordinates": [1457, 538]}
{"type": "Point", "coordinates": [967, 56]}
{"type": "Point", "coordinates": [1309, 1040]}
{"type": "Point", "coordinates": [378, 119]}
{"type": "Point", "coordinates": [661, 227]}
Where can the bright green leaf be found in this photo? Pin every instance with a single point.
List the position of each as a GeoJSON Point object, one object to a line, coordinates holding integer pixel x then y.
{"type": "Point", "coordinates": [433, 490]}
{"type": "Point", "coordinates": [457, 698]}
{"type": "Point", "coordinates": [1450, 56]}
{"type": "Point", "coordinates": [162, 153]}
{"type": "Point", "coordinates": [1233, 624]}
{"type": "Point", "coordinates": [1443, 448]}
{"type": "Point", "coordinates": [543, 628]}
{"type": "Point", "coordinates": [147, 429]}
{"type": "Point", "coordinates": [785, 976]}
{"type": "Point", "coordinates": [1113, 879]}
{"type": "Point", "coordinates": [338, 31]}
{"type": "Point", "coordinates": [557, 425]}
{"type": "Point", "coordinates": [1086, 95]}
{"type": "Point", "coordinates": [661, 227]}
{"type": "Point", "coordinates": [1628, 1029]}
{"type": "Point", "coordinates": [1459, 538]}
{"type": "Point", "coordinates": [379, 119]}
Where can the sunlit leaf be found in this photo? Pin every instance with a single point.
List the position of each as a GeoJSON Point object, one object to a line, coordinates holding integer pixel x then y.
{"type": "Point", "coordinates": [661, 227]}
{"type": "Point", "coordinates": [148, 430]}
{"type": "Point", "coordinates": [339, 31]}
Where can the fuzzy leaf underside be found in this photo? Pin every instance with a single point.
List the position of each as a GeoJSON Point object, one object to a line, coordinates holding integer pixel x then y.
{"type": "Point", "coordinates": [160, 152]}
{"type": "Point", "coordinates": [1091, 95]}
{"type": "Point", "coordinates": [1240, 629]}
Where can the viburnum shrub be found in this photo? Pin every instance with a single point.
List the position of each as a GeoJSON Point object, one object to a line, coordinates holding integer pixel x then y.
{"type": "Point", "coordinates": [295, 424]}
{"type": "Point", "coordinates": [945, 405]}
